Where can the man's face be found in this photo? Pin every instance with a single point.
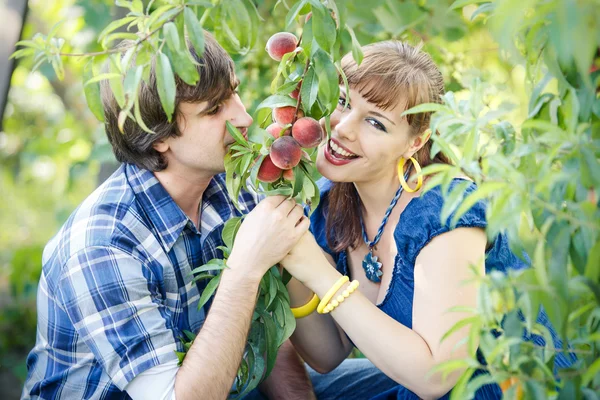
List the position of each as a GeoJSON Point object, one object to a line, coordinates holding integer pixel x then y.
{"type": "Point", "coordinates": [204, 139]}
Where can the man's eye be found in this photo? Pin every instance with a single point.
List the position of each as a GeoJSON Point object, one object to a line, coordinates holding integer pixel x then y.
{"type": "Point", "coordinates": [342, 102]}
{"type": "Point", "coordinates": [215, 110]}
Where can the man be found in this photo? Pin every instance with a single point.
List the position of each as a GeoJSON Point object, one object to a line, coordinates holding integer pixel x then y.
{"type": "Point", "coordinates": [116, 291]}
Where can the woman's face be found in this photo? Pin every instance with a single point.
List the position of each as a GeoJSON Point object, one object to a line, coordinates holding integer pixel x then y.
{"type": "Point", "coordinates": [366, 141]}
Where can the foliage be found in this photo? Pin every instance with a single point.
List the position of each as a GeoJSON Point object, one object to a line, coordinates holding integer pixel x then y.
{"type": "Point", "coordinates": [522, 120]}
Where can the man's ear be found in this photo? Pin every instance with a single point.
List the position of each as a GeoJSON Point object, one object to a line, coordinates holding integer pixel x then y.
{"type": "Point", "coordinates": [418, 142]}
{"type": "Point", "coordinates": [161, 146]}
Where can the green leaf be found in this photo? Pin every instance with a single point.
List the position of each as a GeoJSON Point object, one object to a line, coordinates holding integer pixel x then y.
{"type": "Point", "coordinates": [210, 289]}
{"type": "Point", "coordinates": [460, 324]}
{"type": "Point", "coordinates": [114, 26]}
{"type": "Point", "coordinates": [194, 30]}
{"type": "Point", "coordinates": [172, 37]}
{"type": "Point", "coordinates": [230, 229]}
{"type": "Point", "coordinates": [184, 67]}
{"type": "Point", "coordinates": [200, 277]}
{"type": "Point", "coordinates": [213, 265]}
{"type": "Point", "coordinates": [277, 100]}
{"type": "Point", "coordinates": [357, 52]}
{"type": "Point", "coordinates": [92, 93]}
{"type": "Point", "coordinates": [329, 90]}
{"type": "Point", "coordinates": [426, 107]}
{"type": "Point", "coordinates": [482, 192]}
{"type": "Point", "coordinates": [239, 138]}
{"type": "Point", "coordinates": [272, 345]}
{"type": "Point", "coordinates": [592, 371]}
{"type": "Point", "coordinates": [293, 13]}
{"type": "Point", "coordinates": [592, 268]}
{"type": "Point", "coordinates": [324, 30]}
{"type": "Point", "coordinates": [165, 81]}
{"type": "Point", "coordinates": [309, 89]}
{"type": "Point", "coordinates": [463, 3]}
{"type": "Point", "coordinates": [116, 82]}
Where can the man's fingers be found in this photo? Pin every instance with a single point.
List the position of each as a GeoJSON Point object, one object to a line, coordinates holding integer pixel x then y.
{"type": "Point", "coordinates": [303, 225]}
{"type": "Point", "coordinates": [274, 201]}
{"type": "Point", "coordinates": [296, 213]}
{"type": "Point", "coordinates": [286, 206]}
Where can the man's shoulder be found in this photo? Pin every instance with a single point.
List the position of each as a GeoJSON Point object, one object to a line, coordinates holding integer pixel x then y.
{"type": "Point", "coordinates": [106, 217]}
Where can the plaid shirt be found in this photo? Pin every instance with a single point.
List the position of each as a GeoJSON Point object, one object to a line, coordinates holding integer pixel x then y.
{"type": "Point", "coordinates": [116, 289]}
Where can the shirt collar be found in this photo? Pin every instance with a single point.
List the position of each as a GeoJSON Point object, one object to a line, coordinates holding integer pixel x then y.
{"type": "Point", "coordinates": [164, 214]}
{"type": "Point", "coordinates": [167, 217]}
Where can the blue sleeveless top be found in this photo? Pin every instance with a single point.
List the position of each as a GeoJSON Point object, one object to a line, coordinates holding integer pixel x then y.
{"type": "Point", "coordinates": [419, 223]}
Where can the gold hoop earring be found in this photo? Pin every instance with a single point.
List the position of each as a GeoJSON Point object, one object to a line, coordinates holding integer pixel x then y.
{"type": "Point", "coordinates": [401, 175]}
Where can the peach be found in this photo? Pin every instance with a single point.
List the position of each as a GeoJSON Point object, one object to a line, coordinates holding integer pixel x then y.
{"type": "Point", "coordinates": [288, 174]}
{"type": "Point", "coordinates": [275, 129]}
{"type": "Point", "coordinates": [268, 172]}
{"type": "Point", "coordinates": [296, 93]}
{"type": "Point", "coordinates": [280, 44]}
{"type": "Point", "coordinates": [286, 152]}
{"type": "Point", "coordinates": [307, 132]}
{"type": "Point", "coordinates": [285, 115]}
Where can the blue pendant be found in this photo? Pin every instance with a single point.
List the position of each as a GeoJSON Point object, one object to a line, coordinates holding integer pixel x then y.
{"type": "Point", "coordinates": [372, 267]}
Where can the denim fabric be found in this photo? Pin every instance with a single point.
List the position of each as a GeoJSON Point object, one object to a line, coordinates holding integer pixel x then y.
{"type": "Point", "coordinates": [419, 223]}
{"type": "Point", "coordinates": [353, 379]}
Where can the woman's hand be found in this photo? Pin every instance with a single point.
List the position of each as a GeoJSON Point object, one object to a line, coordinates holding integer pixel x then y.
{"type": "Point", "coordinates": [306, 261]}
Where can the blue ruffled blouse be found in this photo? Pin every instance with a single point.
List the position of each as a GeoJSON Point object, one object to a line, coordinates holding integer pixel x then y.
{"type": "Point", "coordinates": [419, 223]}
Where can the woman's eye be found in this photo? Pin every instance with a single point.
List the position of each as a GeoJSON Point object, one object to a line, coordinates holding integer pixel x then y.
{"type": "Point", "coordinates": [342, 102]}
{"type": "Point", "coordinates": [377, 124]}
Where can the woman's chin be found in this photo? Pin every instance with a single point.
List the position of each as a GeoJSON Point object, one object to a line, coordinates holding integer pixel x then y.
{"type": "Point", "coordinates": [332, 172]}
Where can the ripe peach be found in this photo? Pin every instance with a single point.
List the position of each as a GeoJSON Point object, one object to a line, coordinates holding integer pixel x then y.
{"type": "Point", "coordinates": [268, 172]}
{"type": "Point", "coordinates": [307, 131]}
{"type": "Point", "coordinates": [288, 174]}
{"type": "Point", "coordinates": [274, 129]}
{"type": "Point", "coordinates": [286, 152]}
{"type": "Point", "coordinates": [285, 115]}
{"type": "Point", "coordinates": [280, 44]}
{"type": "Point", "coordinates": [296, 93]}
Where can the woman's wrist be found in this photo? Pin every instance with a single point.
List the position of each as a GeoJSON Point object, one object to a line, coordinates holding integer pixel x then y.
{"type": "Point", "coordinates": [321, 284]}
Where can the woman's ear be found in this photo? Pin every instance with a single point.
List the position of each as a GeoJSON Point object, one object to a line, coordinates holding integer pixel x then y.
{"type": "Point", "coordinates": [418, 142]}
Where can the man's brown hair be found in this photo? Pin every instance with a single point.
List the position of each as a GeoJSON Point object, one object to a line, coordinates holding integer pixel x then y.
{"type": "Point", "coordinates": [216, 84]}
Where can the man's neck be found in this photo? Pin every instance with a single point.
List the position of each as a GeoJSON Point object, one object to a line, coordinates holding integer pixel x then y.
{"type": "Point", "coordinates": [186, 189]}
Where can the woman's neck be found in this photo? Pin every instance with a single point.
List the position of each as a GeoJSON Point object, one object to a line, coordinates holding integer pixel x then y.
{"type": "Point", "coordinates": [376, 196]}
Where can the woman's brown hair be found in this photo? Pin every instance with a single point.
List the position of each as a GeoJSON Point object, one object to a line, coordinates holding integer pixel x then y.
{"type": "Point", "coordinates": [390, 72]}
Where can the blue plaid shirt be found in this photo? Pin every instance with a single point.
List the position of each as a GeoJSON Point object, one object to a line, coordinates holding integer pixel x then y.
{"type": "Point", "coordinates": [116, 289]}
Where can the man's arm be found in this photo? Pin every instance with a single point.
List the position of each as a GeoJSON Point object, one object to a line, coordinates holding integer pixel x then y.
{"type": "Point", "coordinates": [265, 237]}
{"type": "Point", "coordinates": [289, 379]}
{"type": "Point", "coordinates": [211, 364]}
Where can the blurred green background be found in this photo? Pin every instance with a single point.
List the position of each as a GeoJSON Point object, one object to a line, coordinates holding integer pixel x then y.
{"type": "Point", "coordinates": [53, 151]}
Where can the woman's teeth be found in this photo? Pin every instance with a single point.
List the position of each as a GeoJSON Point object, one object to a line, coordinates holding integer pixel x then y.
{"type": "Point", "coordinates": [338, 151]}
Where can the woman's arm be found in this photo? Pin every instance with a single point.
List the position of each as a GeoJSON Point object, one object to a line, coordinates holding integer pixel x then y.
{"type": "Point", "coordinates": [407, 355]}
{"type": "Point", "coordinates": [317, 338]}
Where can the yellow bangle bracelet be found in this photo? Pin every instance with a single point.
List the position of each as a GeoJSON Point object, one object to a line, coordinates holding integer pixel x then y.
{"type": "Point", "coordinates": [340, 299]}
{"type": "Point", "coordinates": [336, 286]}
{"type": "Point", "coordinates": [307, 309]}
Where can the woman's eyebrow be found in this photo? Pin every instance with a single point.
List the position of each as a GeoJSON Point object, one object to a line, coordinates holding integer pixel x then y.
{"type": "Point", "coordinates": [382, 116]}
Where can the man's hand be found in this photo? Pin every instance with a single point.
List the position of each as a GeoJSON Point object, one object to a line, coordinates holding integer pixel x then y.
{"type": "Point", "coordinates": [267, 235]}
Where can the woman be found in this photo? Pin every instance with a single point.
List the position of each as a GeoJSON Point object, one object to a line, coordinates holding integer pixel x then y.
{"type": "Point", "coordinates": [386, 236]}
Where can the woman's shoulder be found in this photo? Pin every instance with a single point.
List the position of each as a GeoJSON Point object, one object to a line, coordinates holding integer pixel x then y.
{"type": "Point", "coordinates": [435, 212]}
